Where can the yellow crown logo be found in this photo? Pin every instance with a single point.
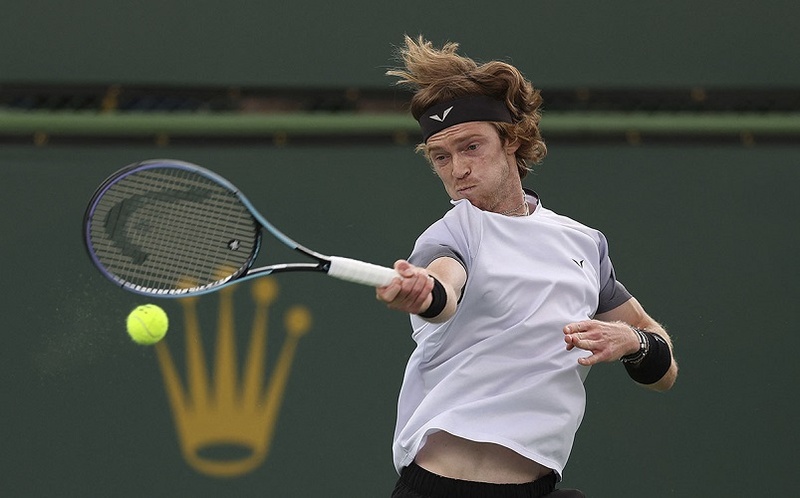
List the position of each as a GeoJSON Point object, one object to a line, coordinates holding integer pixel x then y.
{"type": "Point", "coordinates": [228, 412]}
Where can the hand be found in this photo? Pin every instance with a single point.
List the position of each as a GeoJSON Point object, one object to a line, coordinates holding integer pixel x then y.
{"type": "Point", "coordinates": [411, 292]}
{"type": "Point", "coordinates": [608, 341]}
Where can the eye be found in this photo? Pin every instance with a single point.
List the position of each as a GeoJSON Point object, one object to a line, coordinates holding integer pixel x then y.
{"type": "Point", "coordinates": [439, 159]}
{"type": "Point", "coordinates": [473, 146]}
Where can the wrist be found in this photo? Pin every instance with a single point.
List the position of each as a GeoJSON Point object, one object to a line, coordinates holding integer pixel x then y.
{"type": "Point", "coordinates": [643, 347]}
{"type": "Point", "coordinates": [438, 300]}
{"type": "Point", "coordinates": [652, 361]}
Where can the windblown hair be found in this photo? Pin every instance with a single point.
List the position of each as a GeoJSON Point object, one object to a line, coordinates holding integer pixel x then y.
{"type": "Point", "coordinates": [438, 75]}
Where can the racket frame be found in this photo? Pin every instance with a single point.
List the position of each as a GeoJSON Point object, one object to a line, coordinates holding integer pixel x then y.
{"type": "Point", "coordinates": [323, 262]}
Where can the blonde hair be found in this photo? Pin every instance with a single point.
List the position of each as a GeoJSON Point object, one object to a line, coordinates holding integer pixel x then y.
{"type": "Point", "coordinates": [438, 75]}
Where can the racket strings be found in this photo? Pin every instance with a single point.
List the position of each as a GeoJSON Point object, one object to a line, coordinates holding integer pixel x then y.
{"type": "Point", "coordinates": [156, 227]}
{"type": "Point", "coordinates": [176, 237]}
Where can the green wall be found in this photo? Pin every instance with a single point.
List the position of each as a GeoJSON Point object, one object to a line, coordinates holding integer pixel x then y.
{"type": "Point", "coordinates": [704, 236]}
{"type": "Point", "coordinates": [568, 43]}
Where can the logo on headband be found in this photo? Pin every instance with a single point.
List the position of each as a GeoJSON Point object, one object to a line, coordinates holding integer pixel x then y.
{"type": "Point", "coordinates": [444, 115]}
{"type": "Point", "coordinates": [462, 110]}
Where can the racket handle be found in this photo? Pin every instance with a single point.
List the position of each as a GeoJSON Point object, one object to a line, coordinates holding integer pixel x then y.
{"type": "Point", "coordinates": [360, 272]}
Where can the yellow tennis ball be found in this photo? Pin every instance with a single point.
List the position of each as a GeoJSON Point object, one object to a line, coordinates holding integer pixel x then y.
{"type": "Point", "coordinates": [147, 324]}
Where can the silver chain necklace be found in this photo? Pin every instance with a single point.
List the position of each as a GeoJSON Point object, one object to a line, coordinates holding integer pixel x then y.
{"type": "Point", "coordinates": [524, 203]}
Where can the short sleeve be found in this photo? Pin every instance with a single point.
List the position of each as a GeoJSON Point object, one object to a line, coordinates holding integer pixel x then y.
{"type": "Point", "coordinates": [612, 292]}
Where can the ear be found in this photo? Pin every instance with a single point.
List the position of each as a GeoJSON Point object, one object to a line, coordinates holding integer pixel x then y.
{"type": "Point", "coordinates": [511, 147]}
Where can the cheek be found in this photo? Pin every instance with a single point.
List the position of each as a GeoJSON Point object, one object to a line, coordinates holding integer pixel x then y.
{"type": "Point", "coordinates": [448, 186]}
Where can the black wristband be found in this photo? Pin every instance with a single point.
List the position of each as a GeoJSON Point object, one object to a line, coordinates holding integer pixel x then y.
{"type": "Point", "coordinates": [438, 300]}
{"type": "Point", "coordinates": [652, 361]}
{"type": "Point", "coordinates": [644, 348]}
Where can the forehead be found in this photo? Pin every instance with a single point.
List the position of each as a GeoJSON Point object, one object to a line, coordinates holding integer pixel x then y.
{"type": "Point", "coordinates": [462, 131]}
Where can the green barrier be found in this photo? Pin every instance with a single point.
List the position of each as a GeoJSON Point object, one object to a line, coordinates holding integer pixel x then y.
{"type": "Point", "coordinates": [18, 123]}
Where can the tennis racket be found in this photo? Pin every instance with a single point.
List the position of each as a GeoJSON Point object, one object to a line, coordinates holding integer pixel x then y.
{"type": "Point", "coordinates": [170, 228]}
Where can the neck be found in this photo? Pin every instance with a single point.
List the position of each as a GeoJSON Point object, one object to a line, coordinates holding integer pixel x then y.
{"type": "Point", "coordinates": [520, 210]}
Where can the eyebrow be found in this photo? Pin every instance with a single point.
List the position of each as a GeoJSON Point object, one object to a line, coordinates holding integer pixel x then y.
{"type": "Point", "coordinates": [459, 141]}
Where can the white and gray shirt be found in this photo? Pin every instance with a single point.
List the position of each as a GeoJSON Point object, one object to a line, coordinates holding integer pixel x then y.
{"type": "Point", "coordinates": [498, 371]}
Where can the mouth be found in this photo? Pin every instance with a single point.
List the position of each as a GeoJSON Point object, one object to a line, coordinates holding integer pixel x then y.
{"type": "Point", "coordinates": [465, 190]}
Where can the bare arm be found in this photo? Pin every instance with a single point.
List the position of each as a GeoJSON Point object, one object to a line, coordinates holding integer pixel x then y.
{"type": "Point", "coordinates": [609, 337]}
{"type": "Point", "coordinates": [411, 292]}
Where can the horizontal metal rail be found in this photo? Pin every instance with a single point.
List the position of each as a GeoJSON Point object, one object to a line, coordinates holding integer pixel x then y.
{"type": "Point", "coordinates": [229, 124]}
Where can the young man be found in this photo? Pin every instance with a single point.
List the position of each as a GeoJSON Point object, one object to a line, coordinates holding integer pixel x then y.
{"type": "Point", "coordinates": [506, 298]}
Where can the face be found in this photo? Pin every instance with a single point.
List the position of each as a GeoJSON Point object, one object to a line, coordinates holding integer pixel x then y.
{"type": "Point", "coordinates": [474, 164]}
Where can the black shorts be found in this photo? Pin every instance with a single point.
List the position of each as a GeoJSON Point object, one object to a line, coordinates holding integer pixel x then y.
{"type": "Point", "coordinates": [416, 482]}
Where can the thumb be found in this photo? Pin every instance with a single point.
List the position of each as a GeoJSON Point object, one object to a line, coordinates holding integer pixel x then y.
{"type": "Point", "coordinates": [402, 266]}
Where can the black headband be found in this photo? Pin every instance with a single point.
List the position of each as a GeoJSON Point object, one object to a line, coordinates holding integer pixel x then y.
{"type": "Point", "coordinates": [452, 112]}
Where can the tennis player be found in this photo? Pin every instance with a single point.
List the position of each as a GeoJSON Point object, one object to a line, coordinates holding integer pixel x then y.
{"type": "Point", "coordinates": [510, 303]}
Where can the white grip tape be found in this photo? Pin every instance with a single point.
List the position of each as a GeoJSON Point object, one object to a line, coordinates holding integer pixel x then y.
{"type": "Point", "coordinates": [360, 272]}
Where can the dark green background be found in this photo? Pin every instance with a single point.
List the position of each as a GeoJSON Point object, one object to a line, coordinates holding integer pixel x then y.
{"type": "Point", "coordinates": [705, 237]}
{"type": "Point", "coordinates": [567, 43]}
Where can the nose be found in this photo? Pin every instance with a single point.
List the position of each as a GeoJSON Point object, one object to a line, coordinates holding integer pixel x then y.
{"type": "Point", "coordinates": [461, 167]}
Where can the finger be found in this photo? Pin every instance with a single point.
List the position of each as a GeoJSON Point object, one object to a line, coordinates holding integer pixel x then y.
{"type": "Point", "coordinates": [404, 268]}
{"type": "Point", "coordinates": [422, 291]}
{"type": "Point", "coordinates": [573, 341]}
{"type": "Point", "coordinates": [388, 293]}
{"type": "Point", "coordinates": [572, 328]}
{"type": "Point", "coordinates": [396, 280]}
{"type": "Point", "coordinates": [409, 295]}
{"type": "Point", "coordinates": [585, 341]}
{"type": "Point", "coordinates": [418, 283]}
